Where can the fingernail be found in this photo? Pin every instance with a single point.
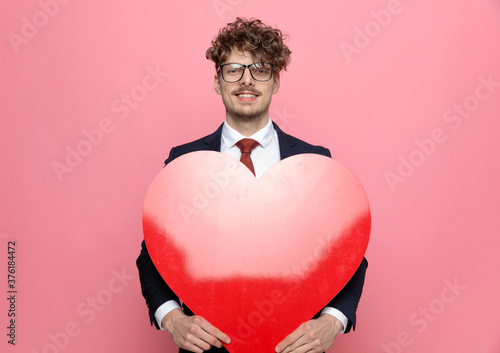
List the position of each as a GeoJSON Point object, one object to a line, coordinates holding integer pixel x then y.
{"type": "Point", "coordinates": [278, 349]}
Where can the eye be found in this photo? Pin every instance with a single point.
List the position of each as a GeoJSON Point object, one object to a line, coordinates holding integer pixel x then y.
{"type": "Point", "coordinates": [232, 69]}
{"type": "Point", "coordinates": [261, 69]}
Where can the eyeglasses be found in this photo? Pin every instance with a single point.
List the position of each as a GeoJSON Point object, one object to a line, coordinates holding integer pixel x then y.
{"type": "Point", "coordinates": [234, 72]}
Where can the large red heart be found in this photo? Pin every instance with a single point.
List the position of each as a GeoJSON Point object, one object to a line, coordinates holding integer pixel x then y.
{"type": "Point", "coordinates": [256, 258]}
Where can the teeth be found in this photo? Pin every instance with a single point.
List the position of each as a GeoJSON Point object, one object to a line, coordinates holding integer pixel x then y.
{"type": "Point", "coordinates": [247, 95]}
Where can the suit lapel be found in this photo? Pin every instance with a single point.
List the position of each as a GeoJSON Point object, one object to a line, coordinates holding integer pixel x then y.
{"type": "Point", "coordinates": [286, 143]}
{"type": "Point", "coordinates": [213, 141]}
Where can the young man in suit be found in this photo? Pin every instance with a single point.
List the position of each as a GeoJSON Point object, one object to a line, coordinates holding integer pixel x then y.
{"type": "Point", "coordinates": [248, 57]}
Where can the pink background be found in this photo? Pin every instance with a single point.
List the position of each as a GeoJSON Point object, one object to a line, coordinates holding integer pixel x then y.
{"type": "Point", "coordinates": [67, 69]}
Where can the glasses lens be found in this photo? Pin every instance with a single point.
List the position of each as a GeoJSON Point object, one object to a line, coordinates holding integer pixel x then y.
{"type": "Point", "coordinates": [232, 72]}
{"type": "Point", "coordinates": [261, 71]}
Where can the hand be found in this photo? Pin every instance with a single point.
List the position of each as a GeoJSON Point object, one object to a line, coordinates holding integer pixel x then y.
{"type": "Point", "coordinates": [314, 336]}
{"type": "Point", "coordinates": [193, 333]}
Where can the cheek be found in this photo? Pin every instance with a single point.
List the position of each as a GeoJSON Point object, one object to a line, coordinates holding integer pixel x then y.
{"type": "Point", "coordinates": [226, 92]}
{"type": "Point", "coordinates": [268, 94]}
{"type": "Point", "coordinates": [226, 98]}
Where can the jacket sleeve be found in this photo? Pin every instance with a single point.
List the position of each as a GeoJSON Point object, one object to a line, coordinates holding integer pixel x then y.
{"type": "Point", "coordinates": [154, 289]}
{"type": "Point", "coordinates": [348, 298]}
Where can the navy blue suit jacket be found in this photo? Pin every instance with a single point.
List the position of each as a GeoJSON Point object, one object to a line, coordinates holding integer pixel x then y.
{"type": "Point", "coordinates": [156, 291]}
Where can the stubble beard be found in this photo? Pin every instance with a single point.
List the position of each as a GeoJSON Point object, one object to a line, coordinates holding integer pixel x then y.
{"type": "Point", "coordinates": [245, 117]}
{"type": "Point", "coordinates": [241, 115]}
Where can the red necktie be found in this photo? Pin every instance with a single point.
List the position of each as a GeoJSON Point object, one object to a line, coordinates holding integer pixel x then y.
{"type": "Point", "coordinates": [246, 146]}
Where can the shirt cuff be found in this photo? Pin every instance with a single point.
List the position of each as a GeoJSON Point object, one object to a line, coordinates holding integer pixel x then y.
{"type": "Point", "coordinates": [338, 314]}
{"type": "Point", "coordinates": [164, 309]}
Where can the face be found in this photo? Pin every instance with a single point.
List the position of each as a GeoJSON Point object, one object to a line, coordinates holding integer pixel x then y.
{"type": "Point", "coordinates": [247, 99]}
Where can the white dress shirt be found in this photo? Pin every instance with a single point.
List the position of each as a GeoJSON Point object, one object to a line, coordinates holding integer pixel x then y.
{"type": "Point", "coordinates": [263, 156]}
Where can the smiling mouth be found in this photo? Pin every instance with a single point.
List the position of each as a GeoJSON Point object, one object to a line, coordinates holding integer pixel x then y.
{"type": "Point", "coordinates": [246, 95]}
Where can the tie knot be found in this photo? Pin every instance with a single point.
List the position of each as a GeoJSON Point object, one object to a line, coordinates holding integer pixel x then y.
{"type": "Point", "coordinates": [246, 145]}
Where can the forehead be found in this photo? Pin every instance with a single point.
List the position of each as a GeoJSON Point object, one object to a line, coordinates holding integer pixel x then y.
{"type": "Point", "coordinates": [239, 57]}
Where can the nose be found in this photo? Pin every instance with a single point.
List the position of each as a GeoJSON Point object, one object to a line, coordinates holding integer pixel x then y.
{"type": "Point", "coordinates": [247, 79]}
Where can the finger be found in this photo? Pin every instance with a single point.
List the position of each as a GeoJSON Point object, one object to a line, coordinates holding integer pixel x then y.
{"type": "Point", "coordinates": [199, 335]}
{"type": "Point", "coordinates": [215, 332]}
{"type": "Point", "coordinates": [201, 343]}
{"type": "Point", "coordinates": [191, 342]}
{"type": "Point", "coordinates": [307, 342]}
{"type": "Point", "coordinates": [297, 345]}
{"type": "Point", "coordinates": [305, 347]}
{"type": "Point", "coordinates": [288, 343]}
{"type": "Point", "coordinates": [188, 346]}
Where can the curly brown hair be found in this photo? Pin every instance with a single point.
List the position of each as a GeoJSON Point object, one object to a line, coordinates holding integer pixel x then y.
{"type": "Point", "coordinates": [264, 42]}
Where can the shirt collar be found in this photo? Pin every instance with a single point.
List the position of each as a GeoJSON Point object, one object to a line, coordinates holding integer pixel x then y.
{"type": "Point", "coordinates": [264, 136]}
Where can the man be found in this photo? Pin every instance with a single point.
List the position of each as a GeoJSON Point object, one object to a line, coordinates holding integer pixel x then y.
{"type": "Point", "coordinates": [248, 57]}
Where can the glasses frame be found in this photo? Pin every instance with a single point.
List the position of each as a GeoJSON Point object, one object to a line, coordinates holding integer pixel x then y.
{"type": "Point", "coordinates": [243, 72]}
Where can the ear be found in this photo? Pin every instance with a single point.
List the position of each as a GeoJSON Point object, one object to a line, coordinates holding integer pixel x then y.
{"type": "Point", "coordinates": [276, 86]}
{"type": "Point", "coordinates": [217, 84]}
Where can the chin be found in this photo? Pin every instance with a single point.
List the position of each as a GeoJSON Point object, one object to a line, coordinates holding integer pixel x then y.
{"type": "Point", "coordinates": [245, 116]}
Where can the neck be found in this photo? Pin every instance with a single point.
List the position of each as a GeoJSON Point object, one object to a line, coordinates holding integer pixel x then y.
{"type": "Point", "coordinates": [247, 127]}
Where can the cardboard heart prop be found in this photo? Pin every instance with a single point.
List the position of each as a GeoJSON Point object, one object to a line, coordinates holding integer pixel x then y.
{"type": "Point", "coordinates": [256, 258]}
